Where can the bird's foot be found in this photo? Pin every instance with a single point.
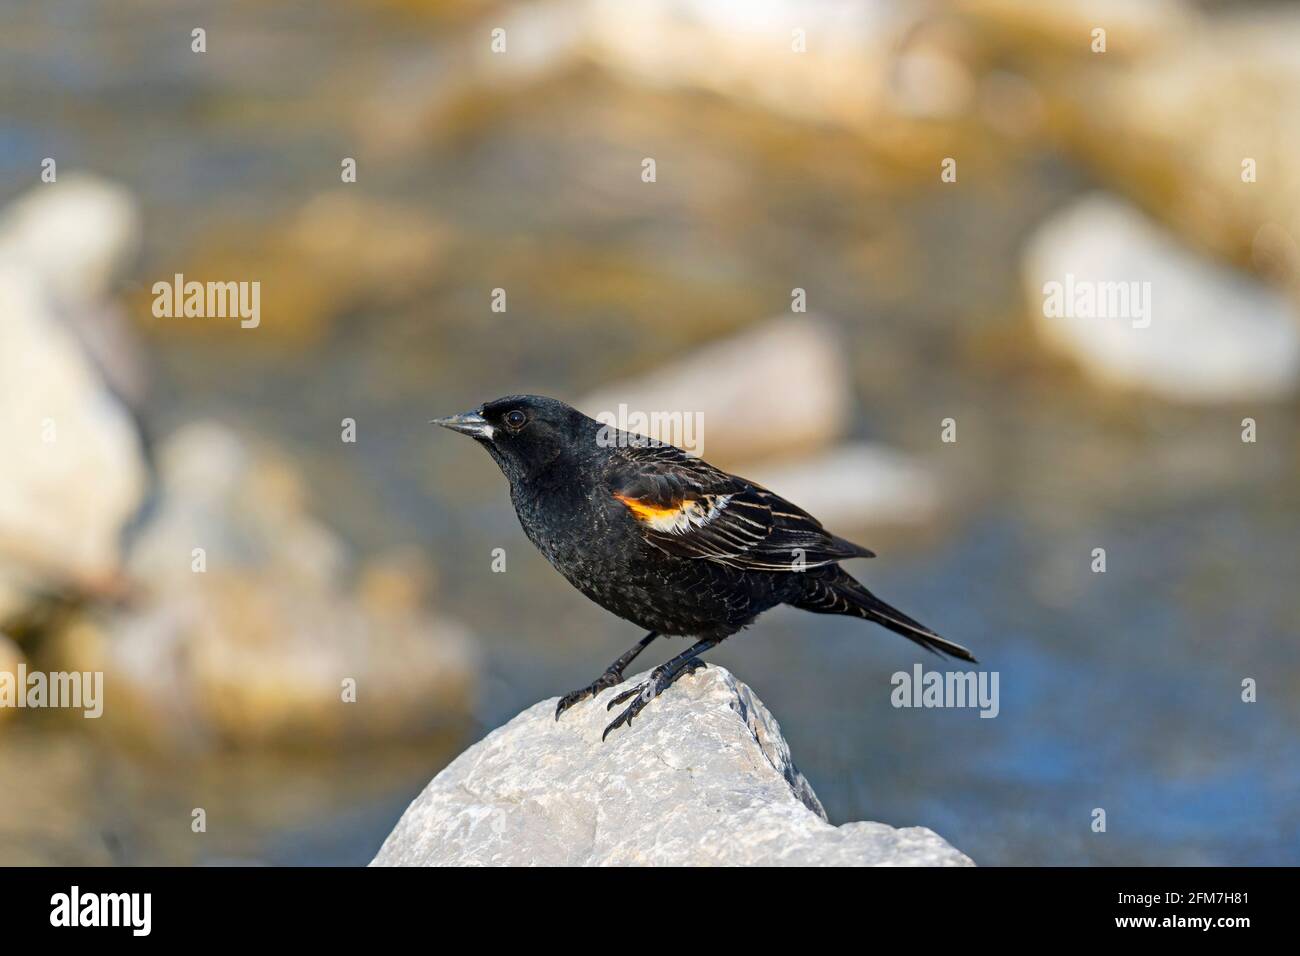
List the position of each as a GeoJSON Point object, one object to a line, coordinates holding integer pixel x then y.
{"type": "Point", "coordinates": [661, 678]}
{"type": "Point", "coordinates": [611, 678]}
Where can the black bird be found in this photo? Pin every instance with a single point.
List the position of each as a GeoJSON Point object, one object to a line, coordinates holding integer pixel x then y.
{"type": "Point", "coordinates": [665, 540]}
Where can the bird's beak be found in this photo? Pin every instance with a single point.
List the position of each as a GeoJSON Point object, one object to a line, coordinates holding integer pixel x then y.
{"type": "Point", "coordinates": [469, 423]}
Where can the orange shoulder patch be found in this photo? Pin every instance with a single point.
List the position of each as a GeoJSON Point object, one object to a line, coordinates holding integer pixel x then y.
{"type": "Point", "coordinates": [652, 513]}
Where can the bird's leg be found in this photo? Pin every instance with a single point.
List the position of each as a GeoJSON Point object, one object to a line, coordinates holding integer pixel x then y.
{"type": "Point", "coordinates": [612, 677]}
{"type": "Point", "coordinates": [661, 678]}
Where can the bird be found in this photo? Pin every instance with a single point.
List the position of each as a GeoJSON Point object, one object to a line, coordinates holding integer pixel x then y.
{"type": "Point", "coordinates": [665, 540]}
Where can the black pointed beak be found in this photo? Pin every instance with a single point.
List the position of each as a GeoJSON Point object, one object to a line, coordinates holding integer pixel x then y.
{"type": "Point", "coordinates": [469, 423]}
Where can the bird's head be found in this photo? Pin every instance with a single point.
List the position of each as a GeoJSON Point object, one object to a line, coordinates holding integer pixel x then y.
{"type": "Point", "coordinates": [525, 433]}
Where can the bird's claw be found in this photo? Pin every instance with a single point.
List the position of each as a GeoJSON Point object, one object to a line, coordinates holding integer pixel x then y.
{"type": "Point", "coordinates": [606, 680]}
{"type": "Point", "coordinates": [642, 694]}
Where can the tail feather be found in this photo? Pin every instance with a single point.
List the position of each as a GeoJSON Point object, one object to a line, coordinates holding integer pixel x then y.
{"type": "Point", "coordinates": [844, 594]}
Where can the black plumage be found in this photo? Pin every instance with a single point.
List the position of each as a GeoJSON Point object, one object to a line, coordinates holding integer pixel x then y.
{"type": "Point", "coordinates": [666, 540]}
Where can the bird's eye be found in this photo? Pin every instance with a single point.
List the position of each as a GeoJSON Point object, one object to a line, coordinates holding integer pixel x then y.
{"type": "Point", "coordinates": [515, 419]}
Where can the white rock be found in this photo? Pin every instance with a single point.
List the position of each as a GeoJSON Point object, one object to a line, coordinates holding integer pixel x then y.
{"type": "Point", "coordinates": [1206, 332]}
{"type": "Point", "coordinates": [856, 485]}
{"type": "Point", "coordinates": [813, 61]}
{"type": "Point", "coordinates": [74, 469]}
{"type": "Point", "coordinates": [74, 236]}
{"type": "Point", "coordinates": [776, 389]}
{"type": "Point", "coordinates": [746, 49]}
{"type": "Point", "coordinates": [702, 777]}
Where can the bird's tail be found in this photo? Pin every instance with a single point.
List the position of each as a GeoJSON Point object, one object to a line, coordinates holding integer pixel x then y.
{"type": "Point", "coordinates": [844, 594]}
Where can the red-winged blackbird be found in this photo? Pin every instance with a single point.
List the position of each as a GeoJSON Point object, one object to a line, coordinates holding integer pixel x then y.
{"type": "Point", "coordinates": [665, 540]}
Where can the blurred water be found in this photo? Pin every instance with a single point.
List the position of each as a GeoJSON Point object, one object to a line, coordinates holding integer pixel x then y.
{"type": "Point", "coordinates": [1119, 691]}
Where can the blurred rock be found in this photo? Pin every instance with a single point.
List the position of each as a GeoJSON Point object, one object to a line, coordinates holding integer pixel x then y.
{"type": "Point", "coordinates": [1175, 129]}
{"type": "Point", "coordinates": [838, 62]}
{"type": "Point", "coordinates": [1011, 105]}
{"type": "Point", "coordinates": [703, 777]}
{"type": "Point", "coordinates": [74, 471]}
{"type": "Point", "coordinates": [745, 48]}
{"type": "Point", "coordinates": [10, 658]}
{"type": "Point", "coordinates": [1065, 26]}
{"type": "Point", "coordinates": [1173, 110]}
{"type": "Point", "coordinates": [1209, 334]}
{"type": "Point", "coordinates": [425, 95]}
{"type": "Point", "coordinates": [74, 236]}
{"type": "Point", "coordinates": [775, 390]}
{"type": "Point", "coordinates": [340, 251]}
{"type": "Point", "coordinates": [73, 239]}
{"type": "Point", "coordinates": [856, 486]}
{"type": "Point", "coordinates": [930, 83]}
{"type": "Point", "coordinates": [245, 506]}
{"type": "Point", "coordinates": [256, 648]}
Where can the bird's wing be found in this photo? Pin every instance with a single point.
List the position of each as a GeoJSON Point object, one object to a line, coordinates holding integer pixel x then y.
{"type": "Point", "coordinates": [687, 508]}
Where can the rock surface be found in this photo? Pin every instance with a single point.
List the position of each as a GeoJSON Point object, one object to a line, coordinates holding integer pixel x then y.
{"type": "Point", "coordinates": [702, 777]}
{"type": "Point", "coordinates": [1206, 333]}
